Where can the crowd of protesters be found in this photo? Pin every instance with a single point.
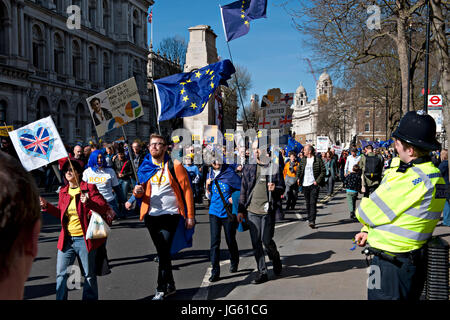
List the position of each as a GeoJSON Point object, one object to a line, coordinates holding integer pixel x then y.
{"type": "Point", "coordinates": [242, 195]}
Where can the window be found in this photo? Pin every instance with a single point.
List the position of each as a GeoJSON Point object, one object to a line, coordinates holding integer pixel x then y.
{"type": "Point", "coordinates": [367, 127]}
{"type": "Point", "coordinates": [92, 65]}
{"type": "Point", "coordinates": [106, 16]}
{"type": "Point", "coordinates": [4, 27]}
{"type": "Point", "coordinates": [42, 108]}
{"type": "Point", "coordinates": [78, 113]}
{"type": "Point", "coordinates": [76, 60]}
{"type": "Point", "coordinates": [367, 113]}
{"type": "Point", "coordinates": [106, 70]}
{"type": "Point", "coordinates": [58, 54]}
{"type": "Point", "coordinates": [136, 27]}
{"type": "Point", "coordinates": [3, 107]}
{"type": "Point", "coordinates": [92, 13]}
{"type": "Point", "coordinates": [38, 48]}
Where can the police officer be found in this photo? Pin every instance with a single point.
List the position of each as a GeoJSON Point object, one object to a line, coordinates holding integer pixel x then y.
{"type": "Point", "coordinates": [400, 216]}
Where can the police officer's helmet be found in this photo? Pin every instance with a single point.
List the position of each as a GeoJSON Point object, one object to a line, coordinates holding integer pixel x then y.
{"type": "Point", "coordinates": [418, 129]}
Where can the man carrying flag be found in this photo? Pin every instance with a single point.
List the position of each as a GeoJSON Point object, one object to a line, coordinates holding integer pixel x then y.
{"type": "Point", "coordinates": [167, 197]}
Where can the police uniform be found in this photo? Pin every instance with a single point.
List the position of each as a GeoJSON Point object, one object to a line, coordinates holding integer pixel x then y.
{"type": "Point", "coordinates": [400, 216]}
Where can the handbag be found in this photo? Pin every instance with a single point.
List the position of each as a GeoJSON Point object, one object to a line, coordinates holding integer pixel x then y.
{"type": "Point", "coordinates": [98, 228]}
{"type": "Point", "coordinates": [228, 207]}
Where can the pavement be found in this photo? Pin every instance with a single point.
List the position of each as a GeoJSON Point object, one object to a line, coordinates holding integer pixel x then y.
{"type": "Point", "coordinates": [318, 264]}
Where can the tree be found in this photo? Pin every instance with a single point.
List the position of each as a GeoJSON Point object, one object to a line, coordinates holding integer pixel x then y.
{"type": "Point", "coordinates": [240, 84]}
{"type": "Point", "coordinates": [174, 48]}
{"type": "Point", "coordinates": [343, 33]}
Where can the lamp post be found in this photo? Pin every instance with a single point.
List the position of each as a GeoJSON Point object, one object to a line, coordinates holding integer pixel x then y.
{"type": "Point", "coordinates": [373, 121]}
{"type": "Point", "coordinates": [345, 117]}
{"type": "Point", "coordinates": [427, 53]}
{"type": "Point", "coordinates": [387, 106]}
{"type": "Point", "coordinates": [409, 68]}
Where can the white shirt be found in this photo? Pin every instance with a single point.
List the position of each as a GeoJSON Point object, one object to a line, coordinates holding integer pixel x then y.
{"type": "Point", "coordinates": [351, 161]}
{"type": "Point", "coordinates": [105, 179]}
{"type": "Point", "coordinates": [163, 199]}
{"type": "Point", "coordinates": [308, 178]}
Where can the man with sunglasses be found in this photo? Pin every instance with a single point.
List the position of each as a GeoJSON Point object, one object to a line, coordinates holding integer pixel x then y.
{"type": "Point", "coordinates": [166, 195]}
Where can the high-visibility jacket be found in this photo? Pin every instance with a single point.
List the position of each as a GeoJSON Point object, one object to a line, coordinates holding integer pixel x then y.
{"type": "Point", "coordinates": [401, 214]}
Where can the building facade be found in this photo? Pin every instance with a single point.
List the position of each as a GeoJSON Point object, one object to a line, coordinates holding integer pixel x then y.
{"type": "Point", "coordinates": [305, 113]}
{"type": "Point", "coordinates": [46, 68]}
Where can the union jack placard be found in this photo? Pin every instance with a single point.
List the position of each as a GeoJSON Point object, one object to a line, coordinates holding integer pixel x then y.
{"type": "Point", "coordinates": [38, 144]}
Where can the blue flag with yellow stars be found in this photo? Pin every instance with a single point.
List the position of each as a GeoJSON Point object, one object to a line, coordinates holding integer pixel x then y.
{"type": "Point", "coordinates": [186, 94]}
{"type": "Point", "coordinates": [236, 16]}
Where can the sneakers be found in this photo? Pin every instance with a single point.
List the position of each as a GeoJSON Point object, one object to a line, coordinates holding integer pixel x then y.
{"type": "Point", "coordinates": [261, 278]}
{"type": "Point", "coordinates": [160, 295]}
{"type": "Point", "coordinates": [214, 277]}
{"type": "Point", "coordinates": [233, 268]}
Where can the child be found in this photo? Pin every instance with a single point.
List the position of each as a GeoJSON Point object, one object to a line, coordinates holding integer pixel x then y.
{"type": "Point", "coordinates": [353, 185]}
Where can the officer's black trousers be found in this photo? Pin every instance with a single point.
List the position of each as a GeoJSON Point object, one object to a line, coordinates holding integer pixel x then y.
{"type": "Point", "coordinates": [388, 281]}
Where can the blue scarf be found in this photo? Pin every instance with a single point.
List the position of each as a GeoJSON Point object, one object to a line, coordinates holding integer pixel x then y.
{"type": "Point", "coordinates": [148, 169]}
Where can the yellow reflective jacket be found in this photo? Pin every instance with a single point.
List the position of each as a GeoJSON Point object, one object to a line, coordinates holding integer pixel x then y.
{"type": "Point", "coordinates": [401, 214]}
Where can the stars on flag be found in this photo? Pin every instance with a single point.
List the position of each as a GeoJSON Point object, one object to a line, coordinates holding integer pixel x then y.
{"type": "Point", "coordinates": [197, 76]}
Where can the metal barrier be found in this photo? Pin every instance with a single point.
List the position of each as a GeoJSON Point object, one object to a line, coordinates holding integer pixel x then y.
{"type": "Point", "coordinates": [437, 282]}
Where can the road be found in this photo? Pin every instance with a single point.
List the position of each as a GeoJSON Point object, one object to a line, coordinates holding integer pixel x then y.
{"type": "Point", "coordinates": [131, 253]}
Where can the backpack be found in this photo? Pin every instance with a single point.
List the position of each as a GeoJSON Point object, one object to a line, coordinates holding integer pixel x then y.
{"type": "Point", "coordinates": [373, 168]}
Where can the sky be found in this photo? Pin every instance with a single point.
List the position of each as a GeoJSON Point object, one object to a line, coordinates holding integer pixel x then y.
{"type": "Point", "coordinates": [273, 51]}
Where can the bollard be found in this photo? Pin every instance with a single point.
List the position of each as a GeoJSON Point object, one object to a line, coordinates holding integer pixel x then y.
{"type": "Point", "coordinates": [437, 281]}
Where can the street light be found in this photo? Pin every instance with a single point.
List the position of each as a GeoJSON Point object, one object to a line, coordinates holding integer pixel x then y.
{"type": "Point", "coordinates": [409, 68]}
{"type": "Point", "coordinates": [427, 50]}
{"type": "Point", "coordinates": [373, 121]}
{"type": "Point", "coordinates": [387, 106]}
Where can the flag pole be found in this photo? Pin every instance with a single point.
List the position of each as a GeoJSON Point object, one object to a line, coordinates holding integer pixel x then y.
{"type": "Point", "coordinates": [155, 105]}
{"type": "Point", "coordinates": [130, 151]}
{"type": "Point", "coordinates": [73, 171]}
{"type": "Point", "coordinates": [231, 58]}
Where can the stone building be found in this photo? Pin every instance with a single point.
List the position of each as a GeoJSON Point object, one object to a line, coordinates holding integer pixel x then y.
{"type": "Point", "coordinates": [48, 69]}
{"type": "Point", "coordinates": [305, 113]}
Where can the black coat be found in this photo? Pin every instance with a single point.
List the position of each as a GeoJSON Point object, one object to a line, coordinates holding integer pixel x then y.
{"type": "Point", "coordinates": [319, 170]}
{"type": "Point", "coordinates": [249, 182]}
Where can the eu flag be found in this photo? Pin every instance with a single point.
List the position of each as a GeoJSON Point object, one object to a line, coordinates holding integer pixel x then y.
{"type": "Point", "coordinates": [236, 16]}
{"type": "Point", "coordinates": [186, 94]}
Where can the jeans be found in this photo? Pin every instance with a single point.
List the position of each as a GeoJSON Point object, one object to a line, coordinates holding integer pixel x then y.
{"type": "Point", "coordinates": [330, 185]}
{"type": "Point", "coordinates": [292, 195]}
{"type": "Point", "coordinates": [115, 206]}
{"type": "Point", "coordinates": [124, 187]}
{"type": "Point", "coordinates": [351, 201]}
{"type": "Point", "coordinates": [215, 224]}
{"type": "Point", "coordinates": [162, 230]}
{"type": "Point", "coordinates": [76, 247]}
{"type": "Point", "coordinates": [446, 215]}
{"type": "Point", "coordinates": [262, 229]}
{"type": "Point", "coordinates": [311, 194]}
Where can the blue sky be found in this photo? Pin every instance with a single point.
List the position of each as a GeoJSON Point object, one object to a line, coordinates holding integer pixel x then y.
{"type": "Point", "coordinates": [273, 51]}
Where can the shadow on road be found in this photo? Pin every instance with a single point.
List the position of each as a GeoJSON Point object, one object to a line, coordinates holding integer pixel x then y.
{"type": "Point", "coordinates": [329, 235]}
{"type": "Point", "coordinates": [38, 291]}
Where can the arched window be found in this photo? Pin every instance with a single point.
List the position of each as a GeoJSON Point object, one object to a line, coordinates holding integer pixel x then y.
{"type": "Point", "coordinates": [92, 65]}
{"type": "Point", "coordinates": [76, 60]}
{"type": "Point", "coordinates": [92, 13]}
{"type": "Point", "coordinates": [136, 27]}
{"type": "Point", "coordinates": [42, 108]}
{"type": "Point", "coordinates": [38, 48]}
{"type": "Point", "coordinates": [4, 29]}
{"type": "Point", "coordinates": [367, 127]}
{"type": "Point", "coordinates": [106, 16]}
{"type": "Point", "coordinates": [58, 54]}
{"type": "Point", "coordinates": [106, 70]}
{"type": "Point", "coordinates": [3, 107]}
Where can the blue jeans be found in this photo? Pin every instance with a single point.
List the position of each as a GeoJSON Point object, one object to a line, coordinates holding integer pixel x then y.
{"type": "Point", "coordinates": [76, 247]}
{"type": "Point", "coordinates": [446, 218]}
{"type": "Point", "coordinates": [216, 224]}
{"type": "Point", "coordinates": [115, 206]}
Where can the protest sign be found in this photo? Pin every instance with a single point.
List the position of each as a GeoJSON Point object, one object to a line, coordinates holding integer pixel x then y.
{"type": "Point", "coordinates": [115, 106]}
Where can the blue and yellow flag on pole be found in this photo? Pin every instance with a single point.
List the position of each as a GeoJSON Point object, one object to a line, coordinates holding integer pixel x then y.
{"type": "Point", "coordinates": [186, 94]}
{"type": "Point", "coordinates": [236, 16]}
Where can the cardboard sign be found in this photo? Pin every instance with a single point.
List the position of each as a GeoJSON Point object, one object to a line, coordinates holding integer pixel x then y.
{"type": "Point", "coordinates": [5, 129]}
